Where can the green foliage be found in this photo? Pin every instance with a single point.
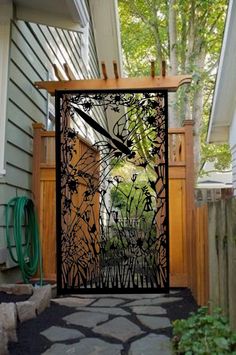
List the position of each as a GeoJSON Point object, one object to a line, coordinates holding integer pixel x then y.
{"type": "Point", "coordinates": [219, 154]}
{"type": "Point", "coordinates": [118, 197]}
{"type": "Point", "coordinates": [139, 38]}
{"type": "Point", "coordinates": [203, 333]}
{"type": "Point", "coordinates": [144, 32]}
{"type": "Point", "coordinates": [199, 25]}
{"type": "Point", "coordinates": [116, 242]}
{"type": "Point", "coordinates": [130, 200]}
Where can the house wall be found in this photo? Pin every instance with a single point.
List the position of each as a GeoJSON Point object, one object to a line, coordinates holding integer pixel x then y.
{"type": "Point", "coordinates": [232, 142]}
{"type": "Point", "coordinates": [33, 50]}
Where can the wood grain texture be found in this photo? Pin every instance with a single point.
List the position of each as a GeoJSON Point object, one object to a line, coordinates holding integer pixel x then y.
{"type": "Point", "coordinates": [200, 256]}
{"type": "Point", "coordinates": [188, 125]}
{"type": "Point", "coordinates": [47, 221]}
{"type": "Point", "coordinates": [180, 235]}
{"type": "Point", "coordinates": [177, 220]}
{"type": "Point", "coordinates": [170, 83]}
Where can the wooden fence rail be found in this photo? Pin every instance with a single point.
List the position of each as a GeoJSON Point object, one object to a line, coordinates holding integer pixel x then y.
{"type": "Point", "coordinates": [181, 195]}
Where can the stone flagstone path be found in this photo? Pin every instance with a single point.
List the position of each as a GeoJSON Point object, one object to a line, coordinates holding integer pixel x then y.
{"type": "Point", "coordinates": [109, 324]}
{"type": "Point", "coordinates": [112, 324]}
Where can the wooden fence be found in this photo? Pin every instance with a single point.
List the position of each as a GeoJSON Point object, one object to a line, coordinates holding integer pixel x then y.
{"type": "Point", "coordinates": [44, 191]}
{"type": "Point", "coordinates": [181, 200]}
{"type": "Point", "coordinates": [222, 257]}
{"type": "Point", "coordinates": [199, 256]}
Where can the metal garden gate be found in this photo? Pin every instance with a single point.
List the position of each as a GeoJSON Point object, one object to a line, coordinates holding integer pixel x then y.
{"type": "Point", "coordinates": [112, 191]}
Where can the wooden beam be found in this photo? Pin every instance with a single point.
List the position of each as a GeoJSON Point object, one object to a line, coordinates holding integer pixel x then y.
{"type": "Point", "coordinates": [189, 185]}
{"type": "Point", "coordinates": [58, 73]}
{"type": "Point", "coordinates": [163, 68]}
{"type": "Point", "coordinates": [69, 72]}
{"type": "Point", "coordinates": [37, 146]}
{"type": "Point", "coordinates": [115, 67]}
{"type": "Point", "coordinates": [153, 68]}
{"type": "Point", "coordinates": [104, 70]}
{"type": "Point", "coordinates": [170, 83]}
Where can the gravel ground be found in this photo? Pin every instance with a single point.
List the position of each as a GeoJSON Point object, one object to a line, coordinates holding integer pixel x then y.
{"type": "Point", "coordinates": [8, 297]}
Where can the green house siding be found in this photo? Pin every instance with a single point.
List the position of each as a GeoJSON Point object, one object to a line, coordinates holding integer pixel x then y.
{"type": "Point", "coordinates": [33, 50]}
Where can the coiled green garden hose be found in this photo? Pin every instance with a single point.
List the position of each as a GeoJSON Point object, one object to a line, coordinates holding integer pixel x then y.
{"type": "Point", "coordinates": [27, 244]}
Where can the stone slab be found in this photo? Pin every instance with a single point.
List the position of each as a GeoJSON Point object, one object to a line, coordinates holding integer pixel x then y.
{"type": "Point", "coordinates": [25, 310]}
{"type": "Point", "coordinates": [8, 319]}
{"type": "Point", "coordinates": [73, 301]}
{"type": "Point", "coordinates": [61, 334]}
{"type": "Point", "coordinates": [88, 346]}
{"type": "Point", "coordinates": [41, 297]}
{"type": "Point", "coordinates": [151, 302]}
{"type": "Point", "coordinates": [150, 345]}
{"type": "Point", "coordinates": [107, 310]}
{"type": "Point", "coordinates": [154, 322]}
{"type": "Point", "coordinates": [119, 328]}
{"type": "Point", "coordinates": [3, 341]}
{"type": "Point", "coordinates": [86, 319]}
{"type": "Point", "coordinates": [17, 289]}
{"type": "Point", "coordinates": [174, 292]}
{"type": "Point", "coordinates": [150, 310]}
{"type": "Point", "coordinates": [139, 296]}
{"type": "Point", "coordinates": [107, 302]}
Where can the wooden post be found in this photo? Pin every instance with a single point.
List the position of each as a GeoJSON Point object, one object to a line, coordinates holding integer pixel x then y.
{"type": "Point", "coordinates": [37, 127]}
{"type": "Point", "coordinates": [221, 233]}
{"type": "Point", "coordinates": [104, 70]}
{"type": "Point", "coordinates": [153, 69]}
{"type": "Point", "coordinates": [68, 71]}
{"type": "Point", "coordinates": [231, 231]}
{"type": "Point", "coordinates": [188, 126]}
{"type": "Point", "coordinates": [205, 246]}
{"type": "Point", "coordinates": [214, 293]}
{"type": "Point", "coordinates": [206, 249]}
{"type": "Point", "coordinates": [201, 259]}
{"type": "Point", "coordinates": [163, 68]}
{"type": "Point", "coordinates": [191, 263]}
{"type": "Point", "coordinates": [115, 67]}
{"type": "Point", "coordinates": [58, 73]}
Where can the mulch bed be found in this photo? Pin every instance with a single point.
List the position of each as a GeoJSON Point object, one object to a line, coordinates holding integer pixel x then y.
{"type": "Point", "coordinates": [9, 297]}
{"type": "Point", "coordinates": [182, 309]}
{"type": "Point", "coordinates": [29, 339]}
{"type": "Point", "coordinates": [31, 342]}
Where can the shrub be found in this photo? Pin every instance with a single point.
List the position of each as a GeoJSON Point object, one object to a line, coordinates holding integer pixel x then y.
{"type": "Point", "coordinates": [203, 333]}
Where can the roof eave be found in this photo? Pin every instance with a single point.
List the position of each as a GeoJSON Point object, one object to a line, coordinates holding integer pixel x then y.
{"type": "Point", "coordinates": [225, 87]}
{"type": "Point", "coordinates": [107, 33]}
{"type": "Point", "coordinates": [71, 19]}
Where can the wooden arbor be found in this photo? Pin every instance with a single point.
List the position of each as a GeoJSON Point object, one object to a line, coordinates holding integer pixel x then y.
{"type": "Point", "coordinates": [163, 82]}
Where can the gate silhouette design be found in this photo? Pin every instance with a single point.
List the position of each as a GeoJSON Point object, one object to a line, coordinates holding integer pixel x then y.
{"type": "Point", "coordinates": [112, 191]}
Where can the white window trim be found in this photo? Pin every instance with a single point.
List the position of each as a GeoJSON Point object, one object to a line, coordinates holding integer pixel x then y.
{"type": "Point", "coordinates": [5, 25]}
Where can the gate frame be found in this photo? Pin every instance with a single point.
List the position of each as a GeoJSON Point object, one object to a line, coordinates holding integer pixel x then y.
{"type": "Point", "coordinates": [60, 290]}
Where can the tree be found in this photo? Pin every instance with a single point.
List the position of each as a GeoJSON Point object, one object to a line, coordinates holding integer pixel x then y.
{"type": "Point", "coordinates": [188, 34]}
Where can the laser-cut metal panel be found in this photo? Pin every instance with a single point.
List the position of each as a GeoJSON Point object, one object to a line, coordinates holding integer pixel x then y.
{"type": "Point", "coordinates": [112, 192]}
